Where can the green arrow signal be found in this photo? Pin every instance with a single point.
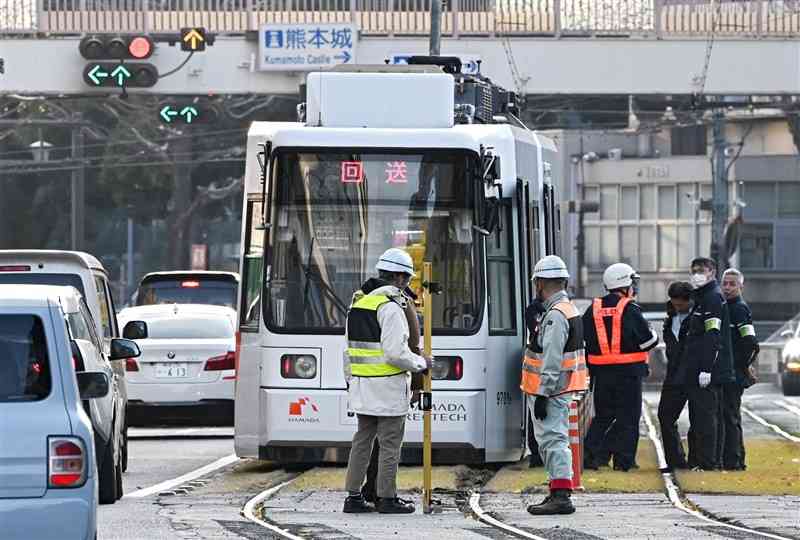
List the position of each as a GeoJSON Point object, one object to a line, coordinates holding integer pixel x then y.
{"type": "Point", "coordinates": [97, 74]}
{"type": "Point", "coordinates": [167, 114]}
{"type": "Point", "coordinates": [187, 113]}
{"type": "Point", "coordinates": [121, 73]}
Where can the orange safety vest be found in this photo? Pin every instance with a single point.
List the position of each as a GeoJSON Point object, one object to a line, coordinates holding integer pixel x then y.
{"type": "Point", "coordinates": [612, 355]}
{"type": "Point", "coordinates": [573, 361]}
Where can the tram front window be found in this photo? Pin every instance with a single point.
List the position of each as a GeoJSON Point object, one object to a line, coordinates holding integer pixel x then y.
{"type": "Point", "coordinates": [333, 213]}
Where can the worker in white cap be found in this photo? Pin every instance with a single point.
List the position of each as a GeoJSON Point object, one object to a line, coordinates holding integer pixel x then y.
{"type": "Point", "coordinates": [377, 367]}
{"type": "Point", "coordinates": [618, 339]}
{"type": "Point", "coordinates": [554, 369]}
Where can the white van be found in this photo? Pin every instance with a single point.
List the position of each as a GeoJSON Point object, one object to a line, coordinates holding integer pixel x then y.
{"type": "Point", "coordinates": [85, 273]}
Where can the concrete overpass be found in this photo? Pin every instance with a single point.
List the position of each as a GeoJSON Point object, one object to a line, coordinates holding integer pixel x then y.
{"type": "Point", "coordinates": [571, 47]}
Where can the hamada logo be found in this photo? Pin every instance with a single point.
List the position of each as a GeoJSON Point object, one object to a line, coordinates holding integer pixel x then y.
{"type": "Point", "coordinates": [303, 410]}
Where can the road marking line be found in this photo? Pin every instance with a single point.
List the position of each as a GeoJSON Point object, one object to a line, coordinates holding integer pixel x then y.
{"type": "Point", "coordinates": [249, 511]}
{"type": "Point", "coordinates": [474, 504]}
{"type": "Point", "coordinates": [673, 491]}
{"type": "Point", "coordinates": [788, 406]}
{"type": "Point", "coordinates": [192, 475]}
{"type": "Point", "coordinates": [773, 427]}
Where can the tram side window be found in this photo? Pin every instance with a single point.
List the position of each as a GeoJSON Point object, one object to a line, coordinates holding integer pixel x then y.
{"type": "Point", "coordinates": [500, 275]}
{"type": "Point", "coordinates": [252, 268]}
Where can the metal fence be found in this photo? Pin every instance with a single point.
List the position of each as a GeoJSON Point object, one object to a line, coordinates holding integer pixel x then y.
{"type": "Point", "coordinates": [639, 18]}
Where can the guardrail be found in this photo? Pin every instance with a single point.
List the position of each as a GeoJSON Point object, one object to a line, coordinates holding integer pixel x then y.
{"type": "Point", "coordinates": [551, 18]}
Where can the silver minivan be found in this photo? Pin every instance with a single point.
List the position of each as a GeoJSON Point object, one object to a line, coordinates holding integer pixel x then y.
{"type": "Point", "coordinates": [85, 273]}
{"type": "Point", "coordinates": [48, 479]}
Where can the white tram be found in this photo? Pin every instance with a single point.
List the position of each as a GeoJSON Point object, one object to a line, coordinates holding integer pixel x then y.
{"type": "Point", "coordinates": [419, 157]}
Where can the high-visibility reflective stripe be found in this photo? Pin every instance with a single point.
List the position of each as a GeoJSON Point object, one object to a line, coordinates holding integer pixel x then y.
{"type": "Point", "coordinates": [626, 358]}
{"type": "Point", "coordinates": [364, 345]}
{"type": "Point", "coordinates": [747, 330]}
{"type": "Point", "coordinates": [713, 324]}
{"type": "Point", "coordinates": [374, 370]}
{"type": "Point", "coordinates": [361, 356]}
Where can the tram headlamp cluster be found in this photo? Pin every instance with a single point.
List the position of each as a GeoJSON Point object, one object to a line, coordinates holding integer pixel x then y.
{"type": "Point", "coordinates": [298, 366]}
{"type": "Point", "coordinates": [447, 368]}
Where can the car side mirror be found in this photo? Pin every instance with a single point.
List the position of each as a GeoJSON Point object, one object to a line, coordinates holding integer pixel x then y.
{"type": "Point", "coordinates": [135, 330]}
{"type": "Point", "coordinates": [92, 384]}
{"type": "Point", "coordinates": [122, 349]}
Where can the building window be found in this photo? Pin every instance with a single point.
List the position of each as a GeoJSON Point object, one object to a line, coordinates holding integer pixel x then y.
{"type": "Point", "coordinates": [760, 199]}
{"type": "Point", "coordinates": [630, 203]}
{"type": "Point", "coordinates": [789, 200]}
{"type": "Point", "coordinates": [689, 141]}
{"type": "Point", "coordinates": [755, 245]}
{"type": "Point", "coordinates": [500, 275]}
{"type": "Point", "coordinates": [666, 202]}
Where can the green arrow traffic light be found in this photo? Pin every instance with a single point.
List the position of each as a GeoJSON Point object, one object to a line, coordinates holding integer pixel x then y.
{"type": "Point", "coordinates": [167, 114]}
{"type": "Point", "coordinates": [171, 114]}
{"type": "Point", "coordinates": [189, 113]}
{"type": "Point", "coordinates": [121, 74]}
{"type": "Point", "coordinates": [96, 74]}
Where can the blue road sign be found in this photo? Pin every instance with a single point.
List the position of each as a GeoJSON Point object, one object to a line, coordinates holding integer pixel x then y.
{"type": "Point", "coordinates": [306, 47]}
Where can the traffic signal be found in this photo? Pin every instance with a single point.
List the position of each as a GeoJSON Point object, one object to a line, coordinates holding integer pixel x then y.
{"type": "Point", "coordinates": [118, 47]}
{"type": "Point", "coordinates": [193, 39]}
{"type": "Point", "coordinates": [116, 61]}
{"type": "Point", "coordinates": [119, 75]}
{"type": "Point", "coordinates": [187, 113]}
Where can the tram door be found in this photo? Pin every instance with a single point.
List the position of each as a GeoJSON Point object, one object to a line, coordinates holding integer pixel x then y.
{"type": "Point", "coordinates": [527, 231]}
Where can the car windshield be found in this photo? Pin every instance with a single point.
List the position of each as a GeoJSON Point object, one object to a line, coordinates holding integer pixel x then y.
{"type": "Point", "coordinates": [39, 278]}
{"type": "Point", "coordinates": [24, 365]}
{"type": "Point", "coordinates": [334, 213]}
{"type": "Point", "coordinates": [188, 290]}
{"type": "Point", "coordinates": [191, 328]}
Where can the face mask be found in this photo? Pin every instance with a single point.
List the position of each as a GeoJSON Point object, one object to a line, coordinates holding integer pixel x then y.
{"type": "Point", "coordinates": [698, 280]}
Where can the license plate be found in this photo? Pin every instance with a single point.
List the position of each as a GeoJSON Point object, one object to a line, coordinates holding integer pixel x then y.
{"type": "Point", "coordinates": [172, 371]}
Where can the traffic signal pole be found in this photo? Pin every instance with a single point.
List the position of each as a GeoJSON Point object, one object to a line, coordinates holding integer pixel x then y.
{"type": "Point", "coordinates": [77, 188]}
{"type": "Point", "coordinates": [435, 47]}
{"type": "Point", "coordinates": [719, 192]}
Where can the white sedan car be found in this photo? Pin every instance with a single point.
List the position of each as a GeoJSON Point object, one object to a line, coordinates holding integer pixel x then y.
{"type": "Point", "coordinates": [187, 367]}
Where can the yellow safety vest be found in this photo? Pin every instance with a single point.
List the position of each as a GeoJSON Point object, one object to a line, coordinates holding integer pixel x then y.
{"type": "Point", "coordinates": [367, 359]}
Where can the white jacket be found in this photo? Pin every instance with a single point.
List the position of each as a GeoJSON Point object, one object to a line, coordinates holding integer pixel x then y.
{"type": "Point", "coordinates": [386, 396]}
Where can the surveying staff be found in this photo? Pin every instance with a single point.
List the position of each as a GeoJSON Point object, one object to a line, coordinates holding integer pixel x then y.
{"type": "Point", "coordinates": [553, 368]}
{"type": "Point", "coordinates": [744, 348]}
{"type": "Point", "coordinates": [674, 394]}
{"type": "Point", "coordinates": [376, 367]}
{"type": "Point", "coordinates": [710, 366]}
{"type": "Point", "coordinates": [617, 340]}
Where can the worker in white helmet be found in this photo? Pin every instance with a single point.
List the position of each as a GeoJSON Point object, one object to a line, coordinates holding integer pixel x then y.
{"type": "Point", "coordinates": [553, 369]}
{"type": "Point", "coordinates": [377, 367]}
{"type": "Point", "coordinates": [618, 339]}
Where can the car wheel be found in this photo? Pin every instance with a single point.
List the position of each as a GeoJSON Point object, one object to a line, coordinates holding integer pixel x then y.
{"type": "Point", "coordinates": [118, 478]}
{"type": "Point", "coordinates": [790, 384]}
{"type": "Point", "coordinates": [124, 451]}
{"type": "Point", "coordinates": [107, 476]}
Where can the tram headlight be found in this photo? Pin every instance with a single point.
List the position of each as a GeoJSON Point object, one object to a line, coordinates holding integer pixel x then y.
{"type": "Point", "coordinates": [447, 368]}
{"type": "Point", "coordinates": [298, 366]}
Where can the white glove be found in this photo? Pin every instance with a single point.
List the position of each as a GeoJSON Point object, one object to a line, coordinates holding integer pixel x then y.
{"type": "Point", "coordinates": [704, 379]}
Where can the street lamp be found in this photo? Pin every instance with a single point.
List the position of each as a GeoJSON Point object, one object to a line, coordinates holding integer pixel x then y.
{"type": "Point", "coordinates": [40, 150]}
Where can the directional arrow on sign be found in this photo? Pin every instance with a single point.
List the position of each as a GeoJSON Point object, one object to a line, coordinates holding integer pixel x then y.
{"type": "Point", "coordinates": [344, 57]}
{"type": "Point", "coordinates": [189, 113]}
{"type": "Point", "coordinates": [168, 113]}
{"type": "Point", "coordinates": [97, 75]}
{"type": "Point", "coordinates": [121, 73]}
{"type": "Point", "coordinates": [194, 39]}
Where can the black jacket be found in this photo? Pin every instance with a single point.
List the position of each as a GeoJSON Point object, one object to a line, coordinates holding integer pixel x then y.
{"type": "Point", "coordinates": [708, 340]}
{"type": "Point", "coordinates": [676, 370]}
{"type": "Point", "coordinates": [636, 337]}
{"type": "Point", "coordinates": [743, 338]}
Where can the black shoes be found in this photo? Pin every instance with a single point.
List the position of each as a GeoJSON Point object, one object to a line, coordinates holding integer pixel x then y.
{"type": "Point", "coordinates": [558, 502]}
{"type": "Point", "coordinates": [625, 467]}
{"type": "Point", "coordinates": [394, 505]}
{"type": "Point", "coordinates": [369, 496]}
{"type": "Point", "coordinates": [355, 504]}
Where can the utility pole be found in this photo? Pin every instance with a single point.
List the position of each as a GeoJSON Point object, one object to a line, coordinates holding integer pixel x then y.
{"type": "Point", "coordinates": [77, 188]}
{"type": "Point", "coordinates": [719, 192]}
{"type": "Point", "coordinates": [435, 48]}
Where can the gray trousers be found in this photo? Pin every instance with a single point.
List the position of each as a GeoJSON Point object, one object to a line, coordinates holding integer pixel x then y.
{"type": "Point", "coordinates": [390, 431]}
{"type": "Point", "coordinates": [552, 434]}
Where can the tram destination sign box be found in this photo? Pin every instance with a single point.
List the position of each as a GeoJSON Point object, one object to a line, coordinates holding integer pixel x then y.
{"type": "Point", "coordinates": [306, 47]}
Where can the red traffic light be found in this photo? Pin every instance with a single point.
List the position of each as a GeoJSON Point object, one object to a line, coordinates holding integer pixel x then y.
{"type": "Point", "coordinates": [120, 47]}
{"type": "Point", "coordinates": [140, 47]}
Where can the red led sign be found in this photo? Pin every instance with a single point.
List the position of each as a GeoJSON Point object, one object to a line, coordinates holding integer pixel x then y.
{"type": "Point", "coordinates": [352, 172]}
{"type": "Point", "coordinates": [396, 172]}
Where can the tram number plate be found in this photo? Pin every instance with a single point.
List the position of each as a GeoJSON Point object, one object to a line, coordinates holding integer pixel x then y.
{"type": "Point", "coordinates": [172, 371]}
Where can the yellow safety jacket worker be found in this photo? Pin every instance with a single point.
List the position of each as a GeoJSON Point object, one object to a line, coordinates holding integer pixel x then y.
{"type": "Point", "coordinates": [367, 359]}
{"type": "Point", "coordinates": [572, 377]}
